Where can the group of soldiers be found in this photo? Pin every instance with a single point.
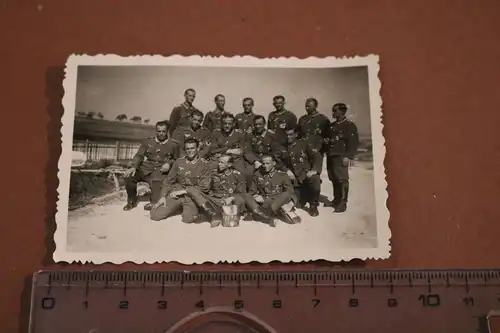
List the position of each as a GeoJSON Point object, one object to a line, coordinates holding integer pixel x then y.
{"type": "Point", "coordinates": [197, 164]}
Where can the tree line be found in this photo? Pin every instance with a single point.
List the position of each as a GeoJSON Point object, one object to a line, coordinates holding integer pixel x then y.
{"type": "Point", "coordinates": [121, 117]}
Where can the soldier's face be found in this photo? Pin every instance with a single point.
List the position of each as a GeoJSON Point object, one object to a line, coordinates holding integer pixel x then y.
{"type": "Point", "coordinates": [191, 150]}
{"type": "Point", "coordinates": [291, 136]}
{"type": "Point", "coordinates": [279, 104]}
{"type": "Point", "coordinates": [247, 106]}
{"type": "Point", "coordinates": [161, 132]}
{"type": "Point", "coordinates": [268, 164]}
{"type": "Point", "coordinates": [337, 114]}
{"type": "Point", "coordinates": [220, 102]}
{"type": "Point", "coordinates": [259, 125]}
{"type": "Point", "coordinates": [190, 96]}
{"type": "Point", "coordinates": [196, 121]}
{"type": "Point", "coordinates": [227, 124]}
{"type": "Point", "coordinates": [310, 106]}
{"type": "Point", "coordinates": [223, 163]}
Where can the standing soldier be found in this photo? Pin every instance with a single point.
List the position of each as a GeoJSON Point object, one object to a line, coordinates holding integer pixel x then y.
{"type": "Point", "coordinates": [213, 118]}
{"type": "Point", "coordinates": [227, 187]}
{"type": "Point", "coordinates": [194, 131]}
{"type": "Point", "coordinates": [228, 140]}
{"type": "Point", "coordinates": [303, 160]}
{"type": "Point", "coordinates": [342, 145]}
{"type": "Point", "coordinates": [185, 185]}
{"type": "Point", "coordinates": [280, 119]}
{"type": "Point", "coordinates": [150, 164]}
{"type": "Point", "coordinates": [258, 143]}
{"type": "Point", "coordinates": [244, 120]}
{"type": "Point", "coordinates": [180, 114]}
{"type": "Point", "coordinates": [273, 190]}
{"type": "Point", "coordinates": [313, 126]}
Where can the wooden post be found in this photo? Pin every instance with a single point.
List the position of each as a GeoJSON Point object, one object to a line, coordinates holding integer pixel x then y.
{"type": "Point", "coordinates": [117, 150]}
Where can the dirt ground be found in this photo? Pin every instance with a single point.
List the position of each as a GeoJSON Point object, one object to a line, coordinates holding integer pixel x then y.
{"type": "Point", "coordinates": [108, 229]}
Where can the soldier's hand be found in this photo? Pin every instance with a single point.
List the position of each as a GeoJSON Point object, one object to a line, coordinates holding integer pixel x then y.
{"type": "Point", "coordinates": [346, 161]}
{"type": "Point", "coordinates": [290, 174]}
{"type": "Point", "coordinates": [229, 200]}
{"type": "Point", "coordinates": [258, 198]}
{"type": "Point", "coordinates": [130, 172]}
{"type": "Point", "coordinates": [257, 164]}
{"type": "Point", "coordinates": [236, 151]}
{"type": "Point", "coordinates": [165, 167]}
{"type": "Point", "coordinates": [311, 173]}
{"type": "Point", "coordinates": [174, 194]}
{"type": "Point", "coordinates": [160, 202]}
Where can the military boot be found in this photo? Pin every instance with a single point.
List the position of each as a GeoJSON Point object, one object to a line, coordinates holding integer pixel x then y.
{"type": "Point", "coordinates": [342, 205]}
{"type": "Point", "coordinates": [148, 206]}
{"type": "Point", "coordinates": [259, 214]}
{"type": "Point", "coordinates": [213, 218]}
{"type": "Point", "coordinates": [337, 196]}
{"type": "Point", "coordinates": [131, 201]}
{"type": "Point", "coordinates": [314, 203]}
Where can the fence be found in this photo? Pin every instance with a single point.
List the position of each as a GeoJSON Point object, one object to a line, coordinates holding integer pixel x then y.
{"type": "Point", "coordinates": [97, 151]}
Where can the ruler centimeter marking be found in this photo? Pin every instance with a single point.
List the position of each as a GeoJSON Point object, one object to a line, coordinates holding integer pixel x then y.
{"type": "Point", "coordinates": [469, 293]}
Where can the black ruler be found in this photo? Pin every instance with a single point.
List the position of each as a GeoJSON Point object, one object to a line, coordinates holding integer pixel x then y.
{"type": "Point", "coordinates": [459, 301]}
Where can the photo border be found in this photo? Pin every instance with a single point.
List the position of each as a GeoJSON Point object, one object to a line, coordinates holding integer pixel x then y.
{"type": "Point", "coordinates": [383, 249]}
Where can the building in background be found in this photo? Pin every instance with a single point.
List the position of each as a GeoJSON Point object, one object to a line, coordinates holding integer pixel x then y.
{"type": "Point", "coordinates": [111, 140]}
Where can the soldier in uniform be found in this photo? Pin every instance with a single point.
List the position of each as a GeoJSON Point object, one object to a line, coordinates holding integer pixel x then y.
{"type": "Point", "coordinates": [313, 125]}
{"type": "Point", "coordinates": [151, 163]}
{"type": "Point", "coordinates": [194, 131]}
{"type": "Point", "coordinates": [244, 120]}
{"type": "Point", "coordinates": [185, 185]}
{"type": "Point", "coordinates": [179, 117]}
{"type": "Point", "coordinates": [213, 118]}
{"type": "Point", "coordinates": [303, 160]}
{"type": "Point", "coordinates": [258, 143]}
{"type": "Point", "coordinates": [272, 190]}
{"type": "Point", "coordinates": [342, 144]}
{"type": "Point", "coordinates": [280, 119]}
{"type": "Point", "coordinates": [228, 140]}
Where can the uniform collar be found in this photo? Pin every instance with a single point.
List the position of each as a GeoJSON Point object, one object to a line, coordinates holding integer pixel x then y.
{"type": "Point", "coordinates": [314, 114]}
{"type": "Point", "coordinates": [263, 134]}
{"type": "Point", "coordinates": [280, 112]}
{"type": "Point", "coordinates": [161, 142]}
{"type": "Point", "coordinates": [226, 172]}
{"type": "Point", "coordinates": [293, 144]}
{"type": "Point", "coordinates": [186, 105]}
{"type": "Point", "coordinates": [248, 114]}
{"type": "Point", "coordinates": [217, 111]}
{"type": "Point", "coordinates": [224, 133]}
{"type": "Point", "coordinates": [271, 173]}
{"type": "Point", "coordinates": [193, 161]}
{"type": "Point", "coordinates": [340, 122]}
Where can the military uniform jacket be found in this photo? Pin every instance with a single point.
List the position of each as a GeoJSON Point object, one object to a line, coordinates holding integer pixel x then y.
{"type": "Point", "coordinates": [213, 120]}
{"type": "Point", "coordinates": [180, 116]}
{"type": "Point", "coordinates": [270, 185]}
{"type": "Point", "coordinates": [342, 139]}
{"type": "Point", "coordinates": [279, 121]}
{"type": "Point", "coordinates": [221, 142]}
{"type": "Point", "coordinates": [152, 154]}
{"type": "Point", "coordinates": [226, 184]}
{"type": "Point", "coordinates": [302, 157]}
{"type": "Point", "coordinates": [244, 121]}
{"type": "Point", "coordinates": [185, 173]}
{"type": "Point", "coordinates": [262, 144]}
{"type": "Point", "coordinates": [314, 127]}
{"type": "Point", "coordinates": [202, 134]}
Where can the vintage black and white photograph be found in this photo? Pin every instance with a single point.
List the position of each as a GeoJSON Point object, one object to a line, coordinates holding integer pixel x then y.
{"type": "Point", "coordinates": [221, 159]}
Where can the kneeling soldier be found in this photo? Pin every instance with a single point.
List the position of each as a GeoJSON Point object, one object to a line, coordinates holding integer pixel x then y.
{"type": "Point", "coordinates": [342, 145]}
{"type": "Point", "coordinates": [304, 161]}
{"type": "Point", "coordinates": [185, 185]}
{"type": "Point", "coordinates": [273, 190]}
{"type": "Point", "coordinates": [150, 164]}
{"type": "Point", "coordinates": [227, 187]}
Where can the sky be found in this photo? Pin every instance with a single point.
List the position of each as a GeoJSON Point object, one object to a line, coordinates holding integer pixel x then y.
{"type": "Point", "coordinates": [152, 91]}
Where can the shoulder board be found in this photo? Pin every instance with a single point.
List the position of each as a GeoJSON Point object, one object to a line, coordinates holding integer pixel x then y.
{"type": "Point", "coordinates": [216, 130]}
{"type": "Point", "coordinates": [271, 131]}
{"type": "Point", "coordinates": [237, 130]}
{"type": "Point", "coordinates": [280, 172]}
{"type": "Point", "coordinates": [149, 138]}
{"type": "Point", "coordinates": [236, 172]}
{"type": "Point", "coordinates": [174, 140]}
